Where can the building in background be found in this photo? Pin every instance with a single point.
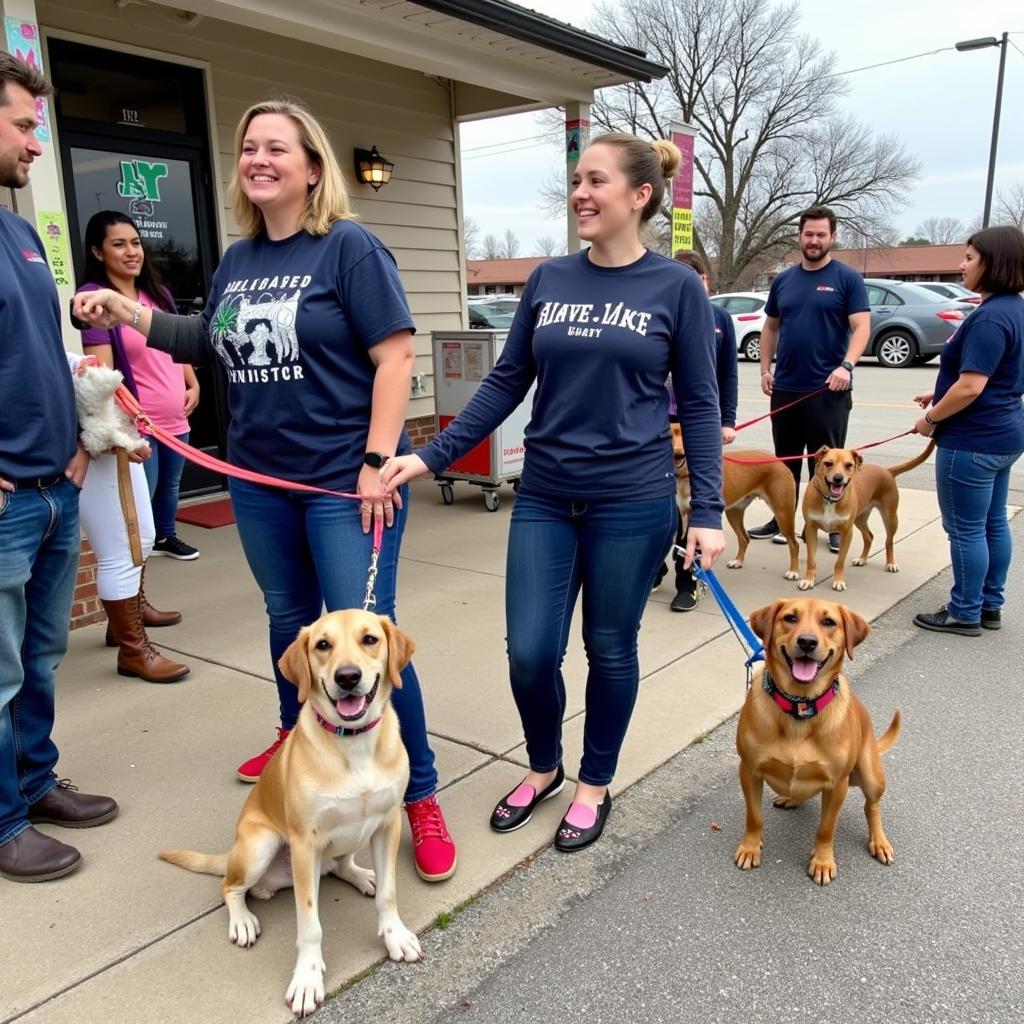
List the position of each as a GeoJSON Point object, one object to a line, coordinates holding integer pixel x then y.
{"type": "Point", "coordinates": [500, 277]}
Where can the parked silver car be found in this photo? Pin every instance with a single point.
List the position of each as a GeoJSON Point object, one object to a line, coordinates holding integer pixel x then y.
{"type": "Point", "coordinates": [910, 324]}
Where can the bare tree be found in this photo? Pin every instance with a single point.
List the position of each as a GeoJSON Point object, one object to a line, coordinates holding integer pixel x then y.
{"type": "Point", "coordinates": [1010, 206]}
{"type": "Point", "coordinates": [763, 98]}
{"type": "Point", "coordinates": [548, 246]}
{"type": "Point", "coordinates": [510, 247]}
{"type": "Point", "coordinates": [471, 238]}
{"type": "Point", "coordinates": [942, 230]}
{"type": "Point", "coordinates": [492, 249]}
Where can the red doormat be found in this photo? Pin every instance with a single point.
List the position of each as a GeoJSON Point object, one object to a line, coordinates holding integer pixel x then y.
{"type": "Point", "coordinates": [210, 515]}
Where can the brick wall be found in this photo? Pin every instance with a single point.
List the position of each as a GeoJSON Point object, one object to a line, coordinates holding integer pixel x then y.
{"type": "Point", "coordinates": [420, 430]}
{"type": "Point", "coordinates": [86, 607]}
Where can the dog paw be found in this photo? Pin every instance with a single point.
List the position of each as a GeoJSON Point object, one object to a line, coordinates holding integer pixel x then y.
{"type": "Point", "coordinates": [734, 564]}
{"type": "Point", "coordinates": [258, 893]}
{"type": "Point", "coordinates": [822, 868]}
{"type": "Point", "coordinates": [401, 943]}
{"type": "Point", "coordinates": [838, 585]}
{"type": "Point", "coordinates": [891, 567]}
{"type": "Point", "coordinates": [784, 803]}
{"type": "Point", "coordinates": [859, 562]}
{"type": "Point", "coordinates": [791, 575]}
{"type": "Point", "coordinates": [805, 584]}
{"type": "Point", "coordinates": [244, 928]}
{"type": "Point", "coordinates": [362, 879]}
{"type": "Point", "coordinates": [881, 849]}
{"type": "Point", "coordinates": [748, 855]}
{"type": "Point", "coordinates": [306, 990]}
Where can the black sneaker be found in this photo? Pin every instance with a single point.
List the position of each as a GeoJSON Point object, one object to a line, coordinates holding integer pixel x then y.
{"type": "Point", "coordinates": [685, 601]}
{"type": "Point", "coordinates": [833, 543]}
{"type": "Point", "coordinates": [770, 529]}
{"type": "Point", "coordinates": [779, 538]}
{"type": "Point", "coordinates": [991, 618]}
{"type": "Point", "coordinates": [175, 547]}
{"type": "Point", "coordinates": [942, 622]}
{"type": "Point", "coordinates": [662, 573]}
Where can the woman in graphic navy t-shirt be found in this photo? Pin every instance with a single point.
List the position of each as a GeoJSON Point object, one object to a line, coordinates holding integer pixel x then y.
{"type": "Point", "coordinates": [978, 422]}
{"type": "Point", "coordinates": [598, 331]}
{"type": "Point", "coordinates": [308, 315]}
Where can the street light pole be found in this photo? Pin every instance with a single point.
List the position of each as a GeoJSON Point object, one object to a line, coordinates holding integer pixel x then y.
{"type": "Point", "coordinates": [979, 44]}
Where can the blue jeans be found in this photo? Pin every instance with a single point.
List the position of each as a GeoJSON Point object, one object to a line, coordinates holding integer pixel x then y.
{"type": "Point", "coordinates": [163, 474]}
{"type": "Point", "coordinates": [612, 551]}
{"type": "Point", "coordinates": [972, 489]}
{"type": "Point", "coordinates": [39, 545]}
{"type": "Point", "coordinates": [309, 550]}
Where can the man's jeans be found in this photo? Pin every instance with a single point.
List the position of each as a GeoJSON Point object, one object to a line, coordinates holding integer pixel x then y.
{"type": "Point", "coordinates": [611, 550]}
{"type": "Point", "coordinates": [972, 488]}
{"type": "Point", "coordinates": [310, 550]}
{"type": "Point", "coordinates": [39, 545]}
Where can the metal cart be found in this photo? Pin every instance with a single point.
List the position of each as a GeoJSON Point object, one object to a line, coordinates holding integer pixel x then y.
{"type": "Point", "coordinates": [461, 361]}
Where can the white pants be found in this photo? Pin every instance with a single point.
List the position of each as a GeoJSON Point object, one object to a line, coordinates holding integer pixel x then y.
{"type": "Point", "coordinates": [104, 525]}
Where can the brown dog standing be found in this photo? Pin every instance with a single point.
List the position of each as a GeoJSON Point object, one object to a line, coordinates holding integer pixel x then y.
{"type": "Point", "coordinates": [742, 482]}
{"type": "Point", "coordinates": [803, 732]}
{"type": "Point", "coordinates": [335, 786]}
{"type": "Point", "coordinates": [841, 495]}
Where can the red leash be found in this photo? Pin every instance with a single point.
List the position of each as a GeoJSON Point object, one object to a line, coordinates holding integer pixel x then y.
{"type": "Point", "coordinates": [807, 455]}
{"type": "Point", "coordinates": [788, 405]}
{"type": "Point", "coordinates": [127, 401]}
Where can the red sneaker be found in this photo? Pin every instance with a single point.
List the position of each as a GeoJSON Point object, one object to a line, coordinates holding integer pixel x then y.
{"type": "Point", "coordinates": [250, 771]}
{"type": "Point", "coordinates": [432, 846]}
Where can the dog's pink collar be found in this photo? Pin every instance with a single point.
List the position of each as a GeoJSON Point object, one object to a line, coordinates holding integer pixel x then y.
{"type": "Point", "coordinates": [799, 709]}
{"type": "Point", "coordinates": [340, 730]}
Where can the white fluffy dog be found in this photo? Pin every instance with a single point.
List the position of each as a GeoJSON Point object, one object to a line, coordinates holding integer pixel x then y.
{"type": "Point", "coordinates": [103, 423]}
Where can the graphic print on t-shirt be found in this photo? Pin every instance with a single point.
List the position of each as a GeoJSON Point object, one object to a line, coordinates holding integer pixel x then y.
{"type": "Point", "coordinates": [253, 329]}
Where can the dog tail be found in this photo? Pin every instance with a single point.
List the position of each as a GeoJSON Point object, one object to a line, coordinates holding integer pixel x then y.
{"type": "Point", "coordinates": [203, 863]}
{"type": "Point", "coordinates": [886, 740]}
{"type": "Point", "coordinates": [903, 467]}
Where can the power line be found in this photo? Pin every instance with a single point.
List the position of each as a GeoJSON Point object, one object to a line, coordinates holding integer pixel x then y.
{"type": "Point", "coordinates": [886, 63]}
{"type": "Point", "coordinates": [1016, 47]}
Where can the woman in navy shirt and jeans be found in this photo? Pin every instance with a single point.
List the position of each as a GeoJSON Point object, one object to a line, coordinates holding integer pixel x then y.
{"type": "Point", "coordinates": [598, 331]}
{"type": "Point", "coordinates": [977, 419]}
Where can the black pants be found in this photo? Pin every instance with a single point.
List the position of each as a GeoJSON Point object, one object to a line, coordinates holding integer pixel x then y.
{"type": "Point", "coordinates": [820, 419]}
{"type": "Point", "coordinates": [685, 580]}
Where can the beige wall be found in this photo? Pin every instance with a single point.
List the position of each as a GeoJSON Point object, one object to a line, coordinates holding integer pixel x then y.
{"type": "Point", "coordinates": [361, 102]}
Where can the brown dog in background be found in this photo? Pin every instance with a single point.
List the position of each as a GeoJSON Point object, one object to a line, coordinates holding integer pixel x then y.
{"type": "Point", "coordinates": [741, 484]}
{"type": "Point", "coordinates": [336, 785]}
{"type": "Point", "coordinates": [804, 732]}
{"type": "Point", "coordinates": [841, 495]}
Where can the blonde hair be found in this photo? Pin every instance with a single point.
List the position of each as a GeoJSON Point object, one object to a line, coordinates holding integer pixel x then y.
{"type": "Point", "coordinates": [326, 201]}
{"type": "Point", "coordinates": [644, 163]}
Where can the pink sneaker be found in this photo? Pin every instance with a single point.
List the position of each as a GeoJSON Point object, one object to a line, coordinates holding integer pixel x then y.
{"type": "Point", "coordinates": [250, 771]}
{"type": "Point", "coordinates": [432, 846]}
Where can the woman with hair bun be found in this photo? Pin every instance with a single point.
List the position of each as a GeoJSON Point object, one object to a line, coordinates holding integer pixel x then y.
{"type": "Point", "coordinates": [599, 331]}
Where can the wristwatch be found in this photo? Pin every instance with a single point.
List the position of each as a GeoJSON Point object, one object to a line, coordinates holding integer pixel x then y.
{"type": "Point", "coordinates": [375, 459]}
{"type": "Point", "coordinates": [847, 365]}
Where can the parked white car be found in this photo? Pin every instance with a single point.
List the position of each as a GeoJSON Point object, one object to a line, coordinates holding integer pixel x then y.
{"type": "Point", "coordinates": [747, 312]}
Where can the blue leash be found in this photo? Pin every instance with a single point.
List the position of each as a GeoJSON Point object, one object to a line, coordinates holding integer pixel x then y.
{"type": "Point", "coordinates": [737, 622]}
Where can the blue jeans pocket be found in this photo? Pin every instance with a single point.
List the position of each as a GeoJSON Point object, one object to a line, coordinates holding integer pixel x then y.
{"type": "Point", "coordinates": [5, 501]}
{"type": "Point", "coordinates": [995, 463]}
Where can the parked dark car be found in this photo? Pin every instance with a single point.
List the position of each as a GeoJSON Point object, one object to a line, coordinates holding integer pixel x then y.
{"type": "Point", "coordinates": [910, 324]}
{"type": "Point", "coordinates": [483, 315]}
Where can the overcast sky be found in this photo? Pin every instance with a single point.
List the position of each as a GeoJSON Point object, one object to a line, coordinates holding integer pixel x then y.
{"type": "Point", "coordinates": [941, 106]}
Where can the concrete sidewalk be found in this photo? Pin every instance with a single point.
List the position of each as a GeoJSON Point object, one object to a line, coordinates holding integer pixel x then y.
{"type": "Point", "coordinates": [130, 936]}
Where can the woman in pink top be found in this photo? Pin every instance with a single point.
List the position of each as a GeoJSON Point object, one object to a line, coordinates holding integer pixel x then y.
{"type": "Point", "coordinates": [114, 258]}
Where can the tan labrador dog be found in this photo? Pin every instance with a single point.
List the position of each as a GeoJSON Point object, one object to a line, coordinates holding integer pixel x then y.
{"type": "Point", "coordinates": [741, 484]}
{"type": "Point", "coordinates": [841, 495]}
{"type": "Point", "coordinates": [804, 732]}
{"type": "Point", "coordinates": [335, 786]}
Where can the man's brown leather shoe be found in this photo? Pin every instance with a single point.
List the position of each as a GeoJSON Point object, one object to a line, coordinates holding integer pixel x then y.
{"type": "Point", "coordinates": [35, 857]}
{"type": "Point", "coordinates": [64, 805]}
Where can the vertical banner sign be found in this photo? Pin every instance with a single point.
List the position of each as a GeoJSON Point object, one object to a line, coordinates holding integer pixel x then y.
{"type": "Point", "coordinates": [682, 191]}
{"type": "Point", "coordinates": [53, 231]}
{"type": "Point", "coordinates": [23, 43]}
{"type": "Point", "coordinates": [576, 134]}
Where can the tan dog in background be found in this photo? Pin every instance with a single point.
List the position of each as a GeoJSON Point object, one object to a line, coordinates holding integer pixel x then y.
{"type": "Point", "coordinates": [804, 732]}
{"type": "Point", "coordinates": [841, 495]}
{"type": "Point", "coordinates": [741, 484]}
{"type": "Point", "coordinates": [335, 786]}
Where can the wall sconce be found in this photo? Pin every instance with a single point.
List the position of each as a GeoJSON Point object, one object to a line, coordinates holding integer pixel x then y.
{"type": "Point", "coordinates": [372, 169]}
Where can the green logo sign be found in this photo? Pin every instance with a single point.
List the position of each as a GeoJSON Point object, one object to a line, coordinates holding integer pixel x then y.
{"type": "Point", "coordinates": [141, 180]}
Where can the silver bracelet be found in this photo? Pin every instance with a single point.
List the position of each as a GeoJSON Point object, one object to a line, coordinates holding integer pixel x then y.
{"type": "Point", "coordinates": [138, 314]}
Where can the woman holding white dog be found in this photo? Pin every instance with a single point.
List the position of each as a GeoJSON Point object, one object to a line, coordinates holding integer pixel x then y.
{"type": "Point", "coordinates": [308, 315]}
{"type": "Point", "coordinates": [599, 331]}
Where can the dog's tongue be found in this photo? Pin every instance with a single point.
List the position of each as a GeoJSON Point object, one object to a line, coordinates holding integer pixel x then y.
{"type": "Point", "coordinates": [351, 707]}
{"type": "Point", "coordinates": [804, 669]}
{"type": "Point", "coordinates": [836, 490]}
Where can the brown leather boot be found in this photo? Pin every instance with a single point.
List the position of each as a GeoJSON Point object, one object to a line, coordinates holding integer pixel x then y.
{"type": "Point", "coordinates": [151, 618]}
{"type": "Point", "coordinates": [33, 856]}
{"type": "Point", "coordinates": [137, 656]}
